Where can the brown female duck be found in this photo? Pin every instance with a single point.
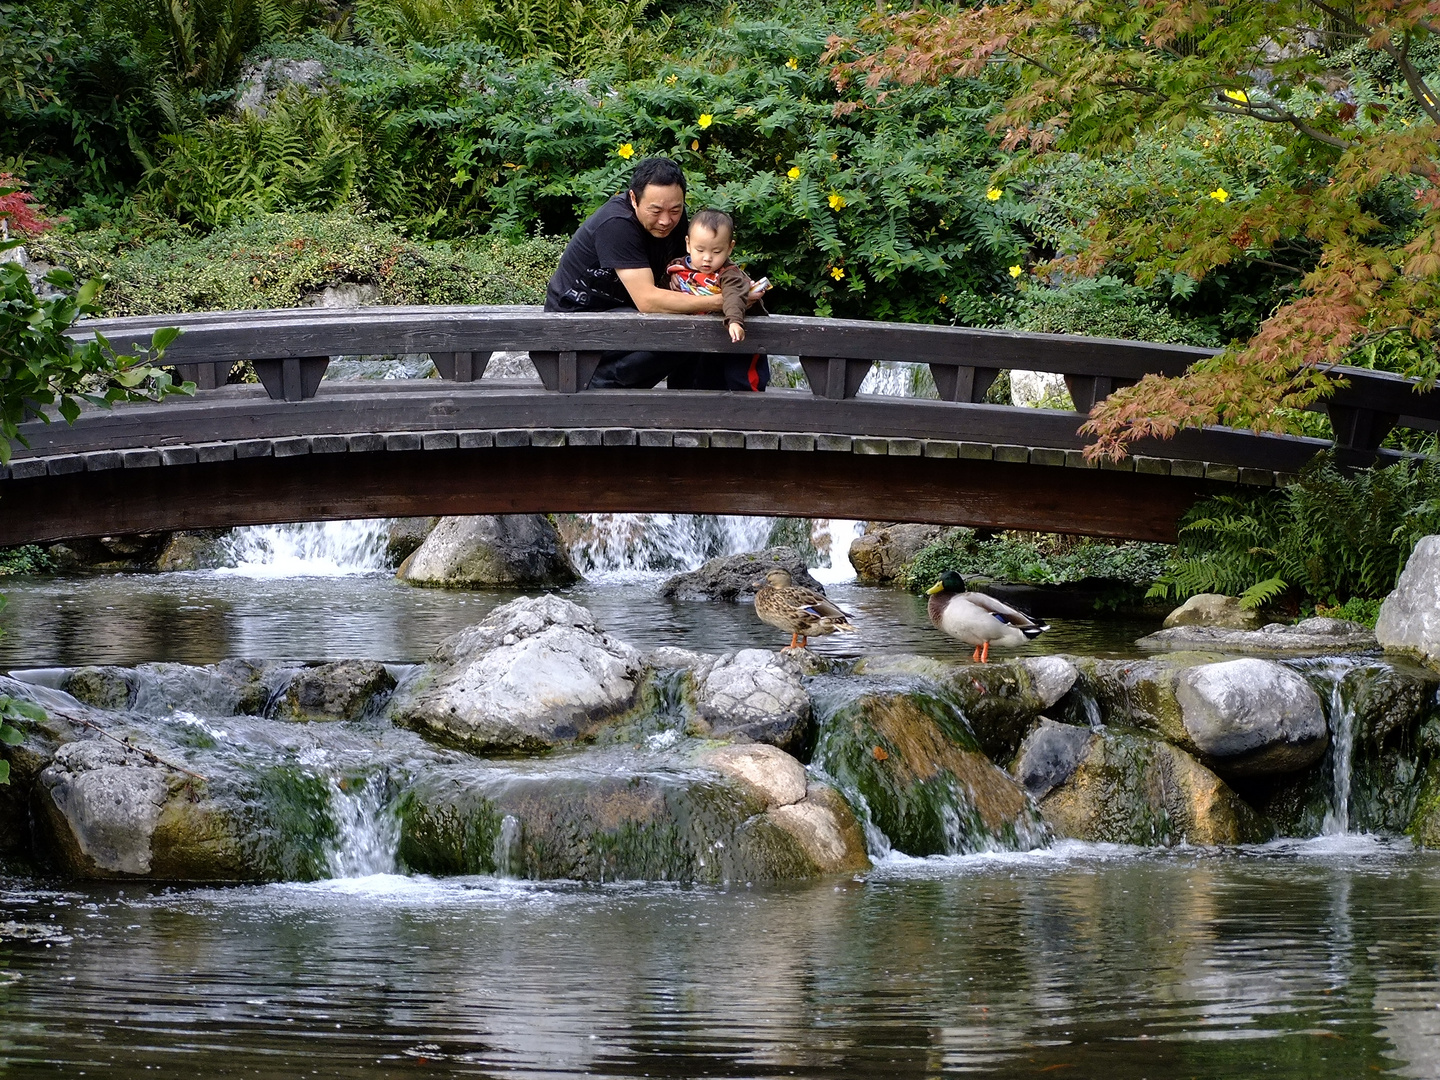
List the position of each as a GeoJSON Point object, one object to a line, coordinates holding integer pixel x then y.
{"type": "Point", "coordinates": [804, 612]}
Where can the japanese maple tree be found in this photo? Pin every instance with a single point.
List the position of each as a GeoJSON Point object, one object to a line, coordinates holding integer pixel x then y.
{"type": "Point", "coordinates": [1091, 77]}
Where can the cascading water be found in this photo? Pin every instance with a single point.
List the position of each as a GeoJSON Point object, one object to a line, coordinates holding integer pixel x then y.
{"type": "Point", "coordinates": [1340, 715]}
{"type": "Point", "coordinates": [308, 549]}
{"type": "Point", "coordinates": [367, 832]}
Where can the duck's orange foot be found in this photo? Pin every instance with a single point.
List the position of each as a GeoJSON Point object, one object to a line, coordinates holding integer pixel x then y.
{"type": "Point", "coordinates": [985, 653]}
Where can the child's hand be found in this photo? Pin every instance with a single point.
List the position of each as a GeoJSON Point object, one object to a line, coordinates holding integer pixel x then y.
{"type": "Point", "coordinates": [758, 289]}
{"type": "Point", "coordinates": [737, 331]}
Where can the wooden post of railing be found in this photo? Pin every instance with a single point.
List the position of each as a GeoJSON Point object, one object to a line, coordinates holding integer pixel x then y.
{"type": "Point", "coordinates": [1358, 432]}
{"type": "Point", "coordinates": [957, 383]}
{"type": "Point", "coordinates": [461, 366]}
{"type": "Point", "coordinates": [835, 377]}
{"type": "Point", "coordinates": [293, 378]}
{"type": "Point", "coordinates": [568, 372]}
{"type": "Point", "coordinates": [1086, 390]}
{"type": "Point", "coordinates": [204, 376]}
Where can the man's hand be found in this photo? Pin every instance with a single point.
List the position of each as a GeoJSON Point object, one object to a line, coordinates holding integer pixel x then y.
{"type": "Point", "coordinates": [737, 331]}
{"type": "Point", "coordinates": [640, 284]}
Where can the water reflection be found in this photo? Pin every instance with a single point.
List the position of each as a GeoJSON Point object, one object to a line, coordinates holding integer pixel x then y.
{"type": "Point", "coordinates": [204, 617]}
{"type": "Point", "coordinates": [1085, 959]}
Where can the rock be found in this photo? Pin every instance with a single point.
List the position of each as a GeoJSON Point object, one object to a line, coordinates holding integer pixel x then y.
{"type": "Point", "coordinates": [825, 827]}
{"type": "Point", "coordinates": [1002, 701]}
{"type": "Point", "coordinates": [1410, 616]}
{"type": "Point", "coordinates": [102, 687]}
{"type": "Point", "coordinates": [511, 365]}
{"type": "Point", "coordinates": [1039, 389]}
{"type": "Point", "coordinates": [1251, 717]}
{"type": "Point", "coordinates": [534, 674]}
{"type": "Point", "coordinates": [229, 688]}
{"type": "Point", "coordinates": [1051, 677]}
{"type": "Point", "coordinates": [738, 577]}
{"type": "Point", "coordinates": [261, 83]}
{"type": "Point", "coordinates": [1049, 755]}
{"type": "Point", "coordinates": [1131, 788]}
{"type": "Point", "coordinates": [756, 695]}
{"type": "Point", "coordinates": [336, 691]}
{"type": "Point", "coordinates": [922, 777]}
{"type": "Point", "coordinates": [488, 549]}
{"type": "Point", "coordinates": [773, 776]}
{"type": "Point", "coordinates": [881, 556]}
{"type": "Point", "coordinates": [404, 535]}
{"type": "Point", "coordinates": [102, 802]}
{"type": "Point", "coordinates": [602, 816]}
{"type": "Point", "coordinates": [1213, 609]}
{"type": "Point", "coordinates": [190, 551]}
{"type": "Point", "coordinates": [1308, 636]}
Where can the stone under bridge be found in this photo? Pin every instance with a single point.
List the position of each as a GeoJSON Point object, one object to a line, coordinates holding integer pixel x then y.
{"type": "Point", "coordinates": [298, 449]}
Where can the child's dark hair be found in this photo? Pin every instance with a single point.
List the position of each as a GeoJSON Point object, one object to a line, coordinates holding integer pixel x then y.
{"type": "Point", "coordinates": [714, 220]}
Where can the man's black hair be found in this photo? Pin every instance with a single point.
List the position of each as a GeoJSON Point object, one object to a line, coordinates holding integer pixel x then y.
{"type": "Point", "coordinates": [659, 171]}
{"type": "Point", "coordinates": [715, 221]}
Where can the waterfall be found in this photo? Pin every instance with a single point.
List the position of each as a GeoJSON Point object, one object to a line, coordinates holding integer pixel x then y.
{"type": "Point", "coordinates": [367, 833]}
{"type": "Point", "coordinates": [509, 861]}
{"type": "Point", "coordinates": [894, 379]}
{"type": "Point", "coordinates": [1341, 716]}
{"type": "Point", "coordinates": [664, 543]}
{"type": "Point", "coordinates": [308, 549]}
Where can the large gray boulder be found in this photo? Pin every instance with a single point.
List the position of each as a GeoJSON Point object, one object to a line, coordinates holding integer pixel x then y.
{"type": "Point", "coordinates": [1213, 609]}
{"type": "Point", "coordinates": [534, 674]}
{"type": "Point", "coordinates": [1410, 616]}
{"type": "Point", "coordinates": [755, 695]}
{"type": "Point", "coordinates": [102, 802]}
{"type": "Point", "coordinates": [738, 577]}
{"type": "Point", "coordinates": [490, 549]}
{"type": "Point", "coordinates": [404, 535]}
{"type": "Point", "coordinates": [882, 554]}
{"type": "Point", "coordinates": [1251, 717]}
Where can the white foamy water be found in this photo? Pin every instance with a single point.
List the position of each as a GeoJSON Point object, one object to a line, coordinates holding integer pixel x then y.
{"type": "Point", "coordinates": [629, 544]}
{"type": "Point", "coordinates": [367, 831]}
{"type": "Point", "coordinates": [308, 549]}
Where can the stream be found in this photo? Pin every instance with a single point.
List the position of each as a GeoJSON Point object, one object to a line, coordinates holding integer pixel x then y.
{"type": "Point", "coordinates": [1297, 958]}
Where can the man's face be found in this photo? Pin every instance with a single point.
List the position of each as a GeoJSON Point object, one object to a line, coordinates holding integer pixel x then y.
{"type": "Point", "coordinates": [659, 209]}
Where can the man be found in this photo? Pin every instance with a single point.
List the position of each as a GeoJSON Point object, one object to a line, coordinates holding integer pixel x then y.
{"type": "Point", "coordinates": [618, 259]}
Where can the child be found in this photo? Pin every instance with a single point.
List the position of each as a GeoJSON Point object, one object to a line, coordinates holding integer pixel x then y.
{"type": "Point", "coordinates": [708, 269]}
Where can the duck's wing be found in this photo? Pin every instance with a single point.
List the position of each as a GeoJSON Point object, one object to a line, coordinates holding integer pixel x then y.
{"type": "Point", "coordinates": [815, 604]}
{"type": "Point", "coordinates": [1003, 612]}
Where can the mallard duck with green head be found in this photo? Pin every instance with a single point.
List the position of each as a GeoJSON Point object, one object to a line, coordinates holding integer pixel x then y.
{"type": "Point", "coordinates": [804, 612]}
{"type": "Point", "coordinates": [977, 619]}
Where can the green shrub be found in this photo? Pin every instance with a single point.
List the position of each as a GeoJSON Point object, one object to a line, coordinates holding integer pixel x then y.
{"type": "Point", "coordinates": [275, 260]}
{"type": "Point", "coordinates": [1104, 307]}
{"type": "Point", "coordinates": [27, 559]}
{"type": "Point", "coordinates": [1329, 535]}
{"type": "Point", "coordinates": [1035, 559]}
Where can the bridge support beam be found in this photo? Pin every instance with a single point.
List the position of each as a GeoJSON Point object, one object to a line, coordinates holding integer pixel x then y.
{"type": "Point", "coordinates": [598, 479]}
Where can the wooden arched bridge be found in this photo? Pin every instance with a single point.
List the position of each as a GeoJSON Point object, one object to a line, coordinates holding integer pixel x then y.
{"type": "Point", "coordinates": [298, 449]}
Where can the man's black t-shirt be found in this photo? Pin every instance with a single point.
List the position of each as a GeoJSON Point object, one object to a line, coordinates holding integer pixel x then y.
{"type": "Point", "coordinates": [610, 239]}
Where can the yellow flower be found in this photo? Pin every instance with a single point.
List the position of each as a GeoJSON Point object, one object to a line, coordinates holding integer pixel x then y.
{"type": "Point", "coordinates": [837, 201]}
{"type": "Point", "coordinates": [694, 144]}
{"type": "Point", "coordinates": [1016, 271]}
{"type": "Point", "coordinates": [944, 298]}
{"type": "Point", "coordinates": [993, 194]}
{"type": "Point", "coordinates": [837, 273]}
{"type": "Point", "coordinates": [1219, 194]}
{"type": "Point", "coordinates": [794, 173]}
{"type": "Point", "coordinates": [793, 64]}
{"type": "Point", "coordinates": [706, 120]}
{"type": "Point", "coordinates": [671, 80]}
{"type": "Point", "coordinates": [626, 151]}
{"type": "Point", "coordinates": [1238, 95]}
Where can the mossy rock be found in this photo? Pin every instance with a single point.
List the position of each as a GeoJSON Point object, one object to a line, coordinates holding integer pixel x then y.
{"type": "Point", "coordinates": [1138, 694]}
{"type": "Point", "coordinates": [102, 687]}
{"type": "Point", "coordinates": [913, 760]}
{"type": "Point", "coordinates": [1132, 788]}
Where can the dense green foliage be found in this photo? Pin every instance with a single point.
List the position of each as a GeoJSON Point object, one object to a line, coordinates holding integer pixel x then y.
{"type": "Point", "coordinates": [279, 260]}
{"type": "Point", "coordinates": [1035, 559]}
{"type": "Point", "coordinates": [1330, 536]}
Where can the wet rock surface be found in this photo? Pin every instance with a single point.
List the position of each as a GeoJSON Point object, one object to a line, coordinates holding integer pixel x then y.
{"type": "Point", "coordinates": [1050, 755]}
{"type": "Point", "coordinates": [756, 695]}
{"type": "Point", "coordinates": [490, 549]}
{"type": "Point", "coordinates": [1132, 788]}
{"type": "Point", "coordinates": [738, 577]}
{"type": "Point", "coordinates": [1251, 717]}
{"type": "Point", "coordinates": [534, 674]}
{"type": "Point", "coordinates": [338, 691]}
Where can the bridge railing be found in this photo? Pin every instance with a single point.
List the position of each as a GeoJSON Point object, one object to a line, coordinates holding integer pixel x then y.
{"type": "Point", "coordinates": [291, 348]}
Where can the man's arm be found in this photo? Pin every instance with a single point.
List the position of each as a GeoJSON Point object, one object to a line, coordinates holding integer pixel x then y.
{"type": "Point", "coordinates": [639, 282]}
